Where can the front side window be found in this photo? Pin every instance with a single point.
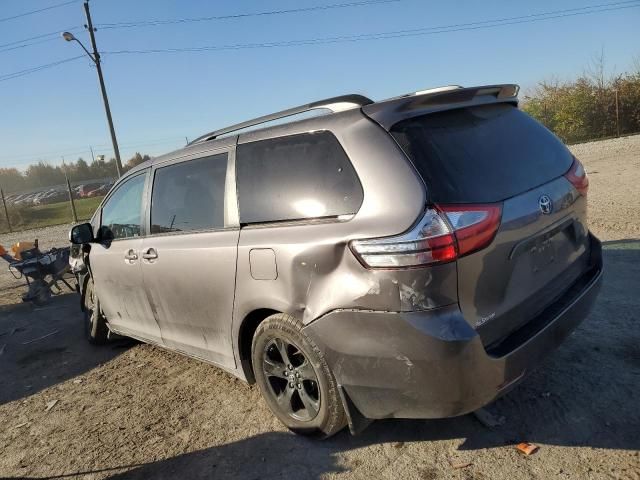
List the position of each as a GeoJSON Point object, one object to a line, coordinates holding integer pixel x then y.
{"type": "Point", "coordinates": [189, 195]}
{"type": "Point", "coordinates": [295, 177]}
{"type": "Point", "coordinates": [121, 216]}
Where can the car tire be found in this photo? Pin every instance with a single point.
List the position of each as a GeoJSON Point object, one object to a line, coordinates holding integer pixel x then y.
{"type": "Point", "coordinates": [95, 324]}
{"type": "Point", "coordinates": [294, 378]}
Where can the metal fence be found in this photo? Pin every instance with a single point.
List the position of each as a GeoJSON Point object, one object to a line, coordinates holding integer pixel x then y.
{"type": "Point", "coordinates": [51, 205]}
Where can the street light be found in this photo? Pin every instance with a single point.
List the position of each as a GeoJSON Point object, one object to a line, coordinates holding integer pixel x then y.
{"type": "Point", "coordinates": [69, 37]}
{"type": "Point", "coordinates": [95, 58]}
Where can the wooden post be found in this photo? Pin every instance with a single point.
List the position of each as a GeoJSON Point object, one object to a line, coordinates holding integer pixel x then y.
{"type": "Point", "coordinates": [73, 205]}
{"type": "Point", "coordinates": [6, 212]}
{"type": "Point", "coordinates": [617, 114]}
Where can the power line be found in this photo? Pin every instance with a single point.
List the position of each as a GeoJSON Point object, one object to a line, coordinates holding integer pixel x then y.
{"type": "Point", "coordinates": [36, 37]}
{"type": "Point", "coordinates": [17, 47]}
{"type": "Point", "coordinates": [485, 24]}
{"type": "Point", "coordinates": [154, 23]}
{"type": "Point", "coordinates": [21, 43]}
{"type": "Point", "coordinates": [10, 76]}
{"type": "Point", "coordinates": [5, 19]}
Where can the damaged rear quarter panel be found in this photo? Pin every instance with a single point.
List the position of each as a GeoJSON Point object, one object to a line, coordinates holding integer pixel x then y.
{"type": "Point", "coordinates": [317, 272]}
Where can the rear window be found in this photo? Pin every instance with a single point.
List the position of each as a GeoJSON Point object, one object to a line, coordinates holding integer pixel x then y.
{"type": "Point", "coordinates": [295, 177]}
{"type": "Point", "coordinates": [481, 154]}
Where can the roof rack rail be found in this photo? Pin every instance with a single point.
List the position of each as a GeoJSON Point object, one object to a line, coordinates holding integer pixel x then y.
{"type": "Point", "coordinates": [335, 104]}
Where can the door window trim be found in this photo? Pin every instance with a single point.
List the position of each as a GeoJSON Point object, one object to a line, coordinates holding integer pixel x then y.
{"type": "Point", "coordinates": [143, 200]}
{"type": "Point", "coordinates": [230, 200]}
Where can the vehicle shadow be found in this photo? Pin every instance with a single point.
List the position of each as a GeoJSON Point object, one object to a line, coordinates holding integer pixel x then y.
{"type": "Point", "coordinates": [43, 346]}
{"type": "Point", "coordinates": [587, 392]}
{"type": "Point", "coordinates": [267, 455]}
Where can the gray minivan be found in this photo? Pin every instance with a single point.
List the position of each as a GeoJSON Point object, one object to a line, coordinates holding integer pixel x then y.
{"type": "Point", "coordinates": [410, 258]}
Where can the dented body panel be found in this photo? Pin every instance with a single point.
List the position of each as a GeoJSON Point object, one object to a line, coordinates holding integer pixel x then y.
{"type": "Point", "coordinates": [316, 271]}
{"type": "Point", "coordinates": [433, 364]}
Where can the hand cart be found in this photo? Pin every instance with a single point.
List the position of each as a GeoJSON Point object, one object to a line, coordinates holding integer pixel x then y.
{"type": "Point", "coordinates": [42, 271]}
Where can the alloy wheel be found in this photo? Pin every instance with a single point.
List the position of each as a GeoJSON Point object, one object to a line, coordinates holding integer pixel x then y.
{"type": "Point", "coordinates": [291, 379]}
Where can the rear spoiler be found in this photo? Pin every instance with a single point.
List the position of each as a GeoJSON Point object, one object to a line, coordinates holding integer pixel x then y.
{"type": "Point", "coordinates": [388, 112]}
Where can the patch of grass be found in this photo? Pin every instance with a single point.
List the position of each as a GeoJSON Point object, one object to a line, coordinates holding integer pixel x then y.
{"type": "Point", "coordinates": [47, 215]}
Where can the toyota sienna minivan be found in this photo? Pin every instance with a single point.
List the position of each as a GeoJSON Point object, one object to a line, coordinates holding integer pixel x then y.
{"type": "Point", "coordinates": [414, 257]}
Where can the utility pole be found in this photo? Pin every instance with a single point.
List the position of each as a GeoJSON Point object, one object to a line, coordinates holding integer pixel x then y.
{"type": "Point", "coordinates": [73, 205]}
{"type": "Point", "coordinates": [93, 158]}
{"type": "Point", "coordinates": [96, 59]}
{"type": "Point", "coordinates": [6, 212]}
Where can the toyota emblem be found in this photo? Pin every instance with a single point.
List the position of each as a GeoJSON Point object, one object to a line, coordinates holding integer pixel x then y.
{"type": "Point", "coordinates": [545, 204]}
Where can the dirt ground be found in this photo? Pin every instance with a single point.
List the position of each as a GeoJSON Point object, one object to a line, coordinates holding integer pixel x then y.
{"type": "Point", "coordinates": [128, 410]}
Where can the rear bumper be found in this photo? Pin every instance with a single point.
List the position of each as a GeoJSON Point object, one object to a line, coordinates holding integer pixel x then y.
{"type": "Point", "coordinates": [432, 364]}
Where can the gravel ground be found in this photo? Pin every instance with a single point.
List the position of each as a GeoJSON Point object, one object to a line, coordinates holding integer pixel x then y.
{"type": "Point", "coordinates": [129, 410]}
{"type": "Point", "coordinates": [614, 194]}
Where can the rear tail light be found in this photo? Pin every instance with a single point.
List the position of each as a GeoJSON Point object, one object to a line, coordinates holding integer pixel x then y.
{"type": "Point", "coordinates": [577, 175]}
{"type": "Point", "coordinates": [475, 226]}
{"type": "Point", "coordinates": [444, 233]}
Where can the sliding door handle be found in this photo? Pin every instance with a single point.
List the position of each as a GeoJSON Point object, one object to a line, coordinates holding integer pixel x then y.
{"type": "Point", "coordinates": [150, 254]}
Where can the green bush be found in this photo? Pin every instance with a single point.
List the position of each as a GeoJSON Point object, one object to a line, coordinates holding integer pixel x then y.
{"type": "Point", "coordinates": [585, 109]}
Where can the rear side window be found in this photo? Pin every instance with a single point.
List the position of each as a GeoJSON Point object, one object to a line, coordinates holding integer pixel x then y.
{"type": "Point", "coordinates": [295, 177]}
{"type": "Point", "coordinates": [189, 195]}
{"type": "Point", "coordinates": [481, 154]}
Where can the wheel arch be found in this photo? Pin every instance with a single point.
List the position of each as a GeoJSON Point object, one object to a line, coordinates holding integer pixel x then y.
{"type": "Point", "coordinates": [245, 338]}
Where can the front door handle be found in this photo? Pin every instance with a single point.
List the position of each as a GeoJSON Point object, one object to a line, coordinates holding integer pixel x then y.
{"type": "Point", "coordinates": [150, 254]}
{"type": "Point", "coordinates": [131, 255]}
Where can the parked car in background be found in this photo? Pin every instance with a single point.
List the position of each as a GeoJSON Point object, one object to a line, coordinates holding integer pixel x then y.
{"type": "Point", "coordinates": [26, 200]}
{"type": "Point", "coordinates": [13, 198]}
{"type": "Point", "coordinates": [409, 258]}
{"type": "Point", "coordinates": [57, 196]}
{"type": "Point", "coordinates": [100, 191]}
{"type": "Point", "coordinates": [86, 188]}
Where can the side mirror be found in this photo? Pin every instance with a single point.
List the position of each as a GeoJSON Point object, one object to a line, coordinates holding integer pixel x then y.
{"type": "Point", "coordinates": [82, 233]}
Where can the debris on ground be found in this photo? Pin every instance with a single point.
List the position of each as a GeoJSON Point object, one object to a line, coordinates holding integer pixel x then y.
{"type": "Point", "coordinates": [459, 465]}
{"type": "Point", "coordinates": [20, 425]}
{"type": "Point", "coordinates": [40, 338]}
{"type": "Point", "coordinates": [527, 448]}
{"type": "Point", "coordinates": [50, 405]}
{"type": "Point", "coordinates": [488, 419]}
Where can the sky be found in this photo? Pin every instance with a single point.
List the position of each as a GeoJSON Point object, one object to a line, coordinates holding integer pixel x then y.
{"type": "Point", "coordinates": [158, 99]}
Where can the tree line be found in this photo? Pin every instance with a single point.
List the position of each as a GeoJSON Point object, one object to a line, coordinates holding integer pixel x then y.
{"type": "Point", "coordinates": [590, 107]}
{"type": "Point", "coordinates": [42, 174]}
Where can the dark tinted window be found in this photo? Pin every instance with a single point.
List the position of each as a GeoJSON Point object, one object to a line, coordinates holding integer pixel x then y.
{"type": "Point", "coordinates": [296, 177]}
{"type": "Point", "coordinates": [121, 214]}
{"type": "Point", "coordinates": [189, 195]}
{"type": "Point", "coordinates": [481, 154]}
